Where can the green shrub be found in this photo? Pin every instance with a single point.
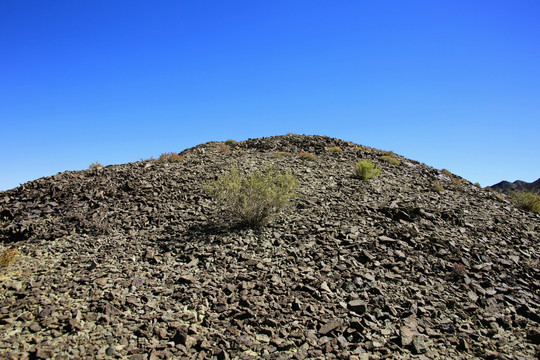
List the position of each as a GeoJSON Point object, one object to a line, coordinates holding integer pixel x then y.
{"type": "Point", "coordinates": [390, 159]}
{"type": "Point", "coordinates": [366, 170]}
{"type": "Point", "coordinates": [390, 156]}
{"type": "Point", "coordinates": [527, 200]}
{"type": "Point", "coordinates": [230, 142]}
{"type": "Point", "coordinates": [255, 198]}
{"type": "Point", "coordinates": [477, 184]}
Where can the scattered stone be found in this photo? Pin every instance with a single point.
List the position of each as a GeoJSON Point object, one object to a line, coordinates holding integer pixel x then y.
{"type": "Point", "coordinates": [135, 261]}
{"type": "Point", "coordinates": [329, 326]}
{"type": "Point", "coordinates": [419, 344]}
{"type": "Point", "coordinates": [34, 327]}
{"type": "Point", "coordinates": [407, 335]}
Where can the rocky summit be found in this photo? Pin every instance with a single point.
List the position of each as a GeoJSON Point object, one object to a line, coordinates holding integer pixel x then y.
{"type": "Point", "coordinates": [136, 261]}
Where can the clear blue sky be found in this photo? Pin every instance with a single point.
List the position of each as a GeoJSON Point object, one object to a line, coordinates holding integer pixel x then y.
{"type": "Point", "coordinates": [453, 84]}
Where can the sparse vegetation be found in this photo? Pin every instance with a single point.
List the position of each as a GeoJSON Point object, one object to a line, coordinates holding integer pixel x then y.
{"type": "Point", "coordinates": [458, 181]}
{"type": "Point", "coordinates": [366, 170]}
{"type": "Point", "coordinates": [527, 200]}
{"type": "Point", "coordinates": [388, 153]}
{"type": "Point", "coordinates": [282, 154]}
{"type": "Point", "coordinates": [334, 149]}
{"type": "Point", "coordinates": [437, 186]}
{"type": "Point", "coordinates": [390, 159]}
{"type": "Point", "coordinates": [96, 165]}
{"type": "Point", "coordinates": [307, 156]}
{"type": "Point", "coordinates": [171, 157]}
{"type": "Point", "coordinates": [230, 142]}
{"type": "Point", "coordinates": [447, 173]}
{"type": "Point", "coordinates": [224, 149]}
{"type": "Point", "coordinates": [255, 198]}
{"type": "Point", "coordinates": [477, 184]}
{"type": "Point", "coordinates": [390, 156]}
{"type": "Point", "coordinates": [8, 257]}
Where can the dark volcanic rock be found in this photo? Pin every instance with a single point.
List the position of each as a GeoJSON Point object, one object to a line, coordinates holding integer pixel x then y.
{"type": "Point", "coordinates": [506, 186]}
{"type": "Point", "coordinates": [135, 261]}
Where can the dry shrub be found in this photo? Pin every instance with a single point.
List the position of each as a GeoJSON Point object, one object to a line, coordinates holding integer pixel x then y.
{"type": "Point", "coordinates": [8, 257]}
{"type": "Point", "coordinates": [171, 157]}
{"type": "Point", "coordinates": [282, 154]}
{"type": "Point", "coordinates": [253, 199]}
{"type": "Point", "coordinates": [224, 149]}
{"type": "Point", "coordinates": [447, 173]}
{"type": "Point", "coordinates": [334, 149]}
{"type": "Point", "coordinates": [96, 166]}
{"type": "Point", "coordinates": [307, 156]}
{"type": "Point", "coordinates": [437, 186]}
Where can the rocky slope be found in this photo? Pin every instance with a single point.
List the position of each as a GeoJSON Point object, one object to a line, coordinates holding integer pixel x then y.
{"type": "Point", "coordinates": [135, 262]}
{"type": "Point", "coordinates": [506, 186]}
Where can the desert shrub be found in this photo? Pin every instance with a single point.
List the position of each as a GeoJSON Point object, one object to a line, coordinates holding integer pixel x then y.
{"type": "Point", "coordinates": [307, 156]}
{"type": "Point", "coordinates": [8, 257]}
{"type": "Point", "coordinates": [171, 157]}
{"type": "Point", "coordinates": [390, 157]}
{"type": "Point", "coordinates": [96, 165]}
{"type": "Point", "coordinates": [447, 173]}
{"type": "Point", "coordinates": [366, 170]}
{"type": "Point", "coordinates": [437, 186]}
{"type": "Point", "coordinates": [282, 154]}
{"type": "Point", "coordinates": [230, 142]}
{"type": "Point", "coordinates": [477, 184]}
{"type": "Point", "coordinates": [388, 153]}
{"type": "Point", "coordinates": [334, 149]}
{"type": "Point", "coordinates": [527, 200]}
{"type": "Point", "coordinates": [225, 149]}
{"type": "Point", "coordinates": [255, 198]}
{"type": "Point", "coordinates": [392, 160]}
{"type": "Point", "coordinates": [458, 181]}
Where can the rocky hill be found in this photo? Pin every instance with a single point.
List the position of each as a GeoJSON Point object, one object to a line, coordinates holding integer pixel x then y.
{"type": "Point", "coordinates": [506, 186]}
{"type": "Point", "coordinates": [135, 261]}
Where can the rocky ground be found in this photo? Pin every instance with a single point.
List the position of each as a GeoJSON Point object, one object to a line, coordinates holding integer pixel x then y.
{"type": "Point", "coordinates": [135, 261]}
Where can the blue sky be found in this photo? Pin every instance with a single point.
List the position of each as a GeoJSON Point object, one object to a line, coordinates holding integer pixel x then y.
{"type": "Point", "coordinates": [453, 84]}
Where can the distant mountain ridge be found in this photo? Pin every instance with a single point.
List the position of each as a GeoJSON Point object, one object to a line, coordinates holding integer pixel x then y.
{"type": "Point", "coordinates": [506, 186]}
